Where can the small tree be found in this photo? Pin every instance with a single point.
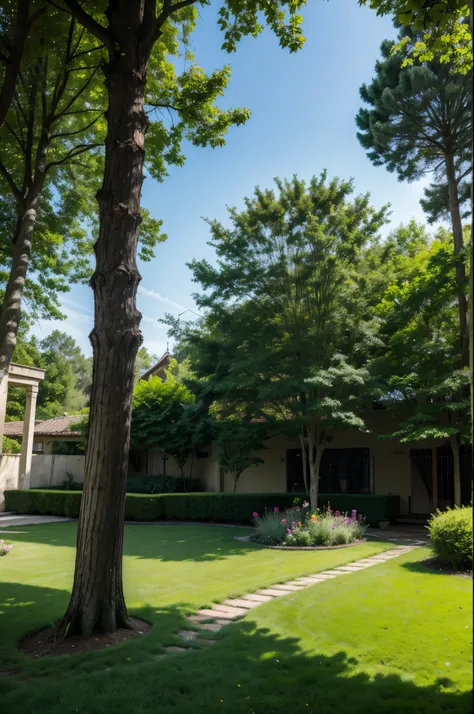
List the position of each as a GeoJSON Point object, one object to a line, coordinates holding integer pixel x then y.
{"type": "Point", "coordinates": [417, 363]}
{"type": "Point", "coordinates": [287, 330]}
{"type": "Point", "coordinates": [160, 418]}
{"type": "Point", "coordinates": [237, 442]}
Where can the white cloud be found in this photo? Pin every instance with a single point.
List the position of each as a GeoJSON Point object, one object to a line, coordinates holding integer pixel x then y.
{"type": "Point", "coordinates": [75, 304]}
{"type": "Point", "coordinates": [153, 321]}
{"type": "Point", "coordinates": [161, 298]}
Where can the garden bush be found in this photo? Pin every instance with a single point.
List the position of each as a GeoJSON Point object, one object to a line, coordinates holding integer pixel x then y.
{"type": "Point", "coordinates": [451, 537]}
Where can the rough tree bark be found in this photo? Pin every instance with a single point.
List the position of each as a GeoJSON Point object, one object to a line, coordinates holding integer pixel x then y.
{"type": "Point", "coordinates": [13, 61]}
{"type": "Point", "coordinates": [97, 600]}
{"type": "Point", "coordinates": [11, 308]}
{"type": "Point", "coordinates": [458, 238]}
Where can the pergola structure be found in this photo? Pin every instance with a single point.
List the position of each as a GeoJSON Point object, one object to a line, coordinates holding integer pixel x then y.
{"type": "Point", "coordinates": [19, 375]}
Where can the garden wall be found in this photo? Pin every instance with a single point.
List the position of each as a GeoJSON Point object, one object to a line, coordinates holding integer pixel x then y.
{"type": "Point", "coordinates": [9, 475]}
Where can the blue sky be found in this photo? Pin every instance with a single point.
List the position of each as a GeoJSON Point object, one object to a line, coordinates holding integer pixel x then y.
{"type": "Point", "coordinates": [303, 121]}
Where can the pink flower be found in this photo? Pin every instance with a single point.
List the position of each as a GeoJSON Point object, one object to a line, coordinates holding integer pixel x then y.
{"type": "Point", "coordinates": [255, 514]}
{"type": "Point", "coordinates": [283, 520]}
{"type": "Point", "coordinates": [338, 513]}
{"type": "Point", "coordinates": [305, 504]}
{"type": "Point", "coordinates": [276, 509]}
{"type": "Point", "coordinates": [334, 525]}
{"type": "Point", "coordinates": [347, 521]}
{"type": "Point", "coordinates": [297, 508]}
{"type": "Point", "coordinates": [289, 531]}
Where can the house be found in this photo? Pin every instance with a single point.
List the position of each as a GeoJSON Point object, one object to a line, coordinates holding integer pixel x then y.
{"type": "Point", "coordinates": [420, 473]}
{"type": "Point", "coordinates": [159, 369]}
{"type": "Point", "coordinates": [47, 432]}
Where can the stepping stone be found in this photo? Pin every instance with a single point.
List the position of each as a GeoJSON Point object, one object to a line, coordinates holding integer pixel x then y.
{"type": "Point", "coordinates": [272, 592]}
{"type": "Point", "coordinates": [197, 618]}
{"type": "Point", "coordinates": [326, 574]}
{"type": "Point", "coordinates": [306, 582]}
{"type": "Point", "coordinates": [222, 622]}
{"type": "Point", "coordinates": [297, 583]}
{"type": "Point", "coordinates": [287, 588]}
{"type": "Point", "coordinates": [238, 602]}
{"type": "Point", "coordinates": [212, 626]}
{"type": "Point", "coordinates": [222, 615]}
{"type": "Point", "coordinates": [208, 642]}
{"type": "Point", "coordinates": [257, 598]}
{"type": "Point", "coordinates": [176, 649]}
{"type": "Point", "coordinates": [347, 569]}
{"type": "Point", "coordinates": [187, 635]}
{"type": "Point", "coordinates": [219, 608]}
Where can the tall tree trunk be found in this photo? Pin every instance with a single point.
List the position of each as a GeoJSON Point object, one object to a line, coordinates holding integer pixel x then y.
{"type": "Point", "coordinates": [13, 60]}
{"type": "Point", "coordinates": [97, 600]}
{"type": "Point", "coordinates": [457, 469]}
{"type": "Point", "coordinates": [11, 309]}
{"type": "Point", "coordinates": [315, 452]}
{"type": "Point", "coordinates": [304, 458]}
{"type": "Point", "coordinates": [458, 238]}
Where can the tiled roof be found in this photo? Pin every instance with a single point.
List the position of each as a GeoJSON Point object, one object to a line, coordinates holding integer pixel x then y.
{"type": "Point", "coordinates": [59, 426]}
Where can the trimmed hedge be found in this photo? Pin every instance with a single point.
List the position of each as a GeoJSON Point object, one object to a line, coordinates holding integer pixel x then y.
{"type": "Point", "coordinates": [451, 537]}
{"type": "Point", "coordinates": [144, 483]}
{"type": "Point", "coordinates": [217, 507]}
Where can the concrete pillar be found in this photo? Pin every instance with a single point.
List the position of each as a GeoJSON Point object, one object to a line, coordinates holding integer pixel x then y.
{"type": "Point", "coordinates": [28, 436]}
{"type": "Point", "coordinates": [3, 405]}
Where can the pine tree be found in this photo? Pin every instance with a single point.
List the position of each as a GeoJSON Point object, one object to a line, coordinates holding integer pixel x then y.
{"type": "Point", "coordinates": [419, 120]}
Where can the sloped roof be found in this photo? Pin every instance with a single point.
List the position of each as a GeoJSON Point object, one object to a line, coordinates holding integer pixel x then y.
{"type": "Point", "coordinates": [59, 426]}
{"type": "Point", "coordinates": [162, 364]}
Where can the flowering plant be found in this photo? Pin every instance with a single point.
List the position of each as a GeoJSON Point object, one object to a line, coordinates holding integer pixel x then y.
{"type": "Point", "coordinates": [5, 547]}
{"type": "Point", "coordinates": [316, 528]}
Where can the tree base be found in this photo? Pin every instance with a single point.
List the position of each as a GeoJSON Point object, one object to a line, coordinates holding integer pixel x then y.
{"type": "Point", "coordinates": [50, 643]}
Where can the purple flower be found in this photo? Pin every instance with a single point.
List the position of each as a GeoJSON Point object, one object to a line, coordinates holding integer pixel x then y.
{"type": "Point", "coordinates": [347, 521]}
{"type": "Point", "coordinates": [289, 531]}
{"type": "Point", "coordinates": [255, 514]}
{"type": "Point", "coordinates": [334, 525]}
{"type": "Point", "coordinates": [276, 509]}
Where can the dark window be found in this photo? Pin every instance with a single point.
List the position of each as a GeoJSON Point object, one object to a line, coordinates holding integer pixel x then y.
{"type": "Point", "coordinates": [341, 471]}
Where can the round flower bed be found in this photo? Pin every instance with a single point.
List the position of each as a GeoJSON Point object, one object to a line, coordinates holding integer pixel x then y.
{"type": "Point", "coordinates": [299, 527]}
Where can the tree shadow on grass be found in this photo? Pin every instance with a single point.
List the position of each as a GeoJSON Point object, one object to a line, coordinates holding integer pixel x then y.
{"type": "Point", "coordinates": [431, 567]}
{"type": "Point", "coordinates": [249, 670]}
{"type": "Point", "coordinates": [167, 543]}
{"type": "Point", "coordinates": [160, 542]}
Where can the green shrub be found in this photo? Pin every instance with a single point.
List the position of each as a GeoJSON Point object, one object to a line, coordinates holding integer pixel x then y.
{"type": "Point", "coordinates": [451, 537]}
{"type": "Point", "coordinates": [213, 507]}
{"type": "Point", "coordinates": [71, 504]}
{"type": "Point", "coordinates": [10, 446]}
{"type": "Point", "coordinates": [143, 508]}
{"type": "Point", "coordinates": [161, 484]}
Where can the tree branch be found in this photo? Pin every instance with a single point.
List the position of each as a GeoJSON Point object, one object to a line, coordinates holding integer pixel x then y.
{"type": "Point", "coordinates": [9, 179]}
{"type": "Point", "coordinates": [75, 151]}
{"type": "Point", "coordinates": [76, 95]}
{"type": "Point", "coordinates": [94, 27]}
{"type": "Point", "coordinates": [78, 131]}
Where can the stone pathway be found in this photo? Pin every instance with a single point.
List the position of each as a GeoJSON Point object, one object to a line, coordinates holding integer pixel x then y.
{"type": "Point", "coordinates": [214, 618]}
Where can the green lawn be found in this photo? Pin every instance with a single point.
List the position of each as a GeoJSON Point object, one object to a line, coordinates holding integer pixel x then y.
{"type": "Point", "coordinates": [393, 638]}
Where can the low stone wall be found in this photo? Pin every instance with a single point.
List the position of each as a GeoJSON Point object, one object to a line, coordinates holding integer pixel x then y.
{"type": "Point", "coordinates": [9, 474]}
{"type": "Point", "coordinates": [51, 470]}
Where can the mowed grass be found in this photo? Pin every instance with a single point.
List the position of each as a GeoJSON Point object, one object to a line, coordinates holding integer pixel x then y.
{"type": "Point", "coordinates": [393, 638]}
